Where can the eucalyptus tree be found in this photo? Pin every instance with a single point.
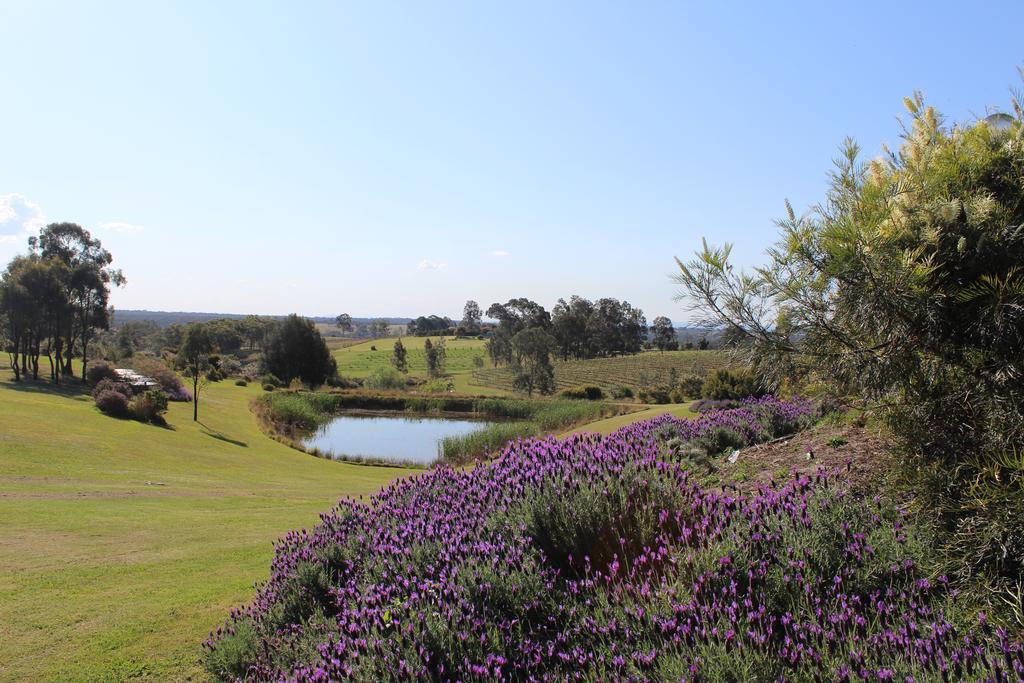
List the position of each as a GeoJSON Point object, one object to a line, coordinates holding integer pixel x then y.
{"type": "Point", "coordinates": [90, 277]}
{"type": "Point", "coordinates": [194, 360]}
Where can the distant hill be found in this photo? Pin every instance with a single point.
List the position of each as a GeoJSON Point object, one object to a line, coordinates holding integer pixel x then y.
{"type": "Point", "coordinates": [165, 318]}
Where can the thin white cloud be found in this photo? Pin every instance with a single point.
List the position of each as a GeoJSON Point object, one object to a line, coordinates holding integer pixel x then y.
{"type": "Point", "coordinates": [500, 253]}
{"type": "Point", "coordinates": [426, 264]}
{"type": "Point", "coordinates": [19, 217]}
{"type": "Point", "coordinates": [122, 227]}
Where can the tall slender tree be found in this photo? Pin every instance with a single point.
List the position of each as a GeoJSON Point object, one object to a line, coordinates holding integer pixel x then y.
{"type": "Point", "coordinates": [194, 360]}
{"type": "Point", "coordinates": [398, 357]}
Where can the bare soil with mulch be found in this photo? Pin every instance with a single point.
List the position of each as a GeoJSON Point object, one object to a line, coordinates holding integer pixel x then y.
{"type": "Point", "coordinates": [861, 453]}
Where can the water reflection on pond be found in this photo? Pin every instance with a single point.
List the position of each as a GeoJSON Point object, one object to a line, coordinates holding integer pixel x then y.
{"type": "Point", "coordinates": [390, 438]}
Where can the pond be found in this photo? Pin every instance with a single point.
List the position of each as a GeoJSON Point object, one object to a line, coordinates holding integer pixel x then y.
{"type": "Point", "coordinates": [395, 439]}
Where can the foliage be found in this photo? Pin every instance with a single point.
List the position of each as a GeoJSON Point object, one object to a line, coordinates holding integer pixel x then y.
{"type": "Point", "coordinates": [398, 357]}
{"type": "Point", "coordinates": [730, 384]}
{"type": "Point", "coordinates": [591, 557]}
{"type": "Point", "coordinates": [385, 379]}
{"type": "Point", "coordinates": [296, 349]}
{"type": "Point", "coordinates": [112, 397]}
{"type": "Point", "coordinates": [587, 329]}
{"type": "Point", "coordinates": [691, 385]}
{"type": "Point", "coordinates": [158, 370]}
{"type": "Point", "coordinates": [622, 392]}
{"type": "Point", "coordinates": [532, 349]}
{"type": "Point", "coordinates": [586, 393]}
{"type": "Point", "coordinates": [149, 406]}
{"type": "Point", "coordinates": [663, 334]}
{"type": "Point", "coordinates": [471, 317]}
{"type": "Point", "coordinates": [344, 323]}
{"type": "Point", "coordinates": [436, 357]}
{"type": "Point", "coordinates": [436, 386]}
{"type": "Point", "coordinates": [53, 299]}
{"type": "Point", "coordinates": [194, 360]}
{"type": "Point", "coordinates": [426, 326]}
{"type": "Point", "coordinates": [98, 372]}
{"type": "Point", "coordinates": [905, 285]}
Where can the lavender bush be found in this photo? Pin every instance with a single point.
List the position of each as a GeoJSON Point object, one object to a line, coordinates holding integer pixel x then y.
{"type": "Point", "coordinates": [593, 558]}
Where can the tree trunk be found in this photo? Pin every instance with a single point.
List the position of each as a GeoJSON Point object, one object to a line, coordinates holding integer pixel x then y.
{"type": "Point", "coordinates": [195, 398]}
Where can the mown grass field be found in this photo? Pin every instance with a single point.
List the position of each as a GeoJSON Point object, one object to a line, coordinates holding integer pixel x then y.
{"type": "Point", "coordinates": [650, 368]}
{"type": "Point", "coordinates": [123, 544]}
{"type": "Point", "coordinates": [359, 360]}
{"type": "Point", "coordinates": [610, 424]}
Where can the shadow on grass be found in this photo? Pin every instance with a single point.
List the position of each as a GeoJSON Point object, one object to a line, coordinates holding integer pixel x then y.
{"type": "Point", "coordinates": [209, 431]}
{"type": "Point", "coordinates": [70, 387]}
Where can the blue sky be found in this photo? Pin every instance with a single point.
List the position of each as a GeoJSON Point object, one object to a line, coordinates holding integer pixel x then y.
{"type": "Point", "coordinates": [387, 158]}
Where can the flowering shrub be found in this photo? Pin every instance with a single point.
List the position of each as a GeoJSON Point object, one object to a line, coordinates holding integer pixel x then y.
{"type": "Point", "coordinates": [112, 403]}
{"type": "Point", "coordinates": [112, 397]}
{"type": "Point", "coordinates": [179, 394]}
{"type": "Point", "coordinates": [591, 557]}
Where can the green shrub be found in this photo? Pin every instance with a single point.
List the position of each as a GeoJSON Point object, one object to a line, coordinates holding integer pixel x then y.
{"type": "Point", "coordinates": [385, 379]}
{"type": "Point", "coordinates": [622, 392]}
{"type": "Point", "coordinates": [267, 386]}
{"type": "Point", "coordinates": [659, 395]}
{"type": "Point", "coordinates": [583, 393]}
{"type": "Point", "coordinates": [241, 383]}
{"type": "Point", "coordinates": [302, 409]}
{"type": "Point", "coordinates": [235, 650]}
{"type": "Point", "coordinates": [691, 385]}
{"type": "Point", "coordinates": [149, 406]}
{"type": "Point", "coordinates": [437, 386]}
{"type": "Point", "coordinates": [730, 384]}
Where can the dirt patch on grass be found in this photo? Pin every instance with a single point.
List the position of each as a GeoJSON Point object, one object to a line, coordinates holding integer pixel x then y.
{"type": "Point", "coordinates": [862, 453]}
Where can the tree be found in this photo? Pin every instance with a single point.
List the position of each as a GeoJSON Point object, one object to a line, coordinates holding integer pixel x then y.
{"type": "Point", "coordinates": [519, 314]}
{"type": "Point", "coordinates": [398, 358]}
{"type": "Point", "coordinates": [425, 326]}
{"type": "Point", "coordinates": [90, 277]}
{"type": "Point", "coordinates": [436, 356]}
{"type": "Point", "coordinates": [296, 350]}
{"type": "Point", "coordinates": [379, 327]}
{"type": "Point", "coordinates": [663, 333]}
{"type": "Point", "coordinates": [703, 344]}
{"type": "Point", "coordinates": [194, 360]}
{"type": "Point", "coordinates": [471, 316]}
{"type": "Point", "coordinates": [905, 285]}
{"type": "Point", "coordinates": [533, 369]}
{"type": "Point", "coordinates": [569, 327]}
{"type": "Point", "coordinates": [344, 323]}
{"type": "Point", "coordinates": [499, 347]}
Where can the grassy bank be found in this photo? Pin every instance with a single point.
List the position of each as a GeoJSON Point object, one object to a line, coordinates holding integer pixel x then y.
{"type": "Point", "coordinates": [124, 543]}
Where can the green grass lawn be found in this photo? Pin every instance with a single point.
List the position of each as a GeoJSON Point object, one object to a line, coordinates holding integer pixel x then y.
{"type": "Point", "coordinates": [649, 368]}
{"type": "Point", "coordinates": [359, 360]}
{"type": "Point", "coordinates": [609, 425]}
{"type": "Point", "coordinates": [124, 544]}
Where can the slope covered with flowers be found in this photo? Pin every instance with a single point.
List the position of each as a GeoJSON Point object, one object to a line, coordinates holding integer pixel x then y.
{"type": "Point", "coordinates": [597, 558]}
